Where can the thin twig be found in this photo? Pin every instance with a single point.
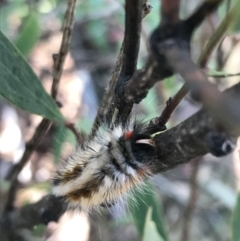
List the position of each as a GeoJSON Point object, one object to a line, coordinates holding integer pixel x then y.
{"type": "Point", "coordinates": [31, 145]}
{"type": "Point", "coordinates": [45, 124]}
{"type": "Point", "coordinates": [223, 75]}
{"type": "Point", "coordinates": [75, 131]}
{"type": "Point", "coordinates": [158, 124]}
{"type": "Point", "coordinates": [192, 200]}
{"type": "Point", "coordinates": [61, 56]}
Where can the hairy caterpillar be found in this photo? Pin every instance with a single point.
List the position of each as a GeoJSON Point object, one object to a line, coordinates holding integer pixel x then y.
{"type": "Point", "coordinates": [106, 167]}
{"type": "Point", "coordinates": [109, 165]}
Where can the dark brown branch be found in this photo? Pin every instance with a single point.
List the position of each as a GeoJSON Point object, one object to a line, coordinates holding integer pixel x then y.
{"type": "Point", "coordinates": [47, 209]}
{"type": "Point", "coordinates": [133, 18]}
{"type": "Point", "coordinates": [132, 35]}
{"type": "Point", "coordinates": [138, 86]}
{"type": "Point", "coordinates": [108, 95]}
{"type": "Point", "coordinates": [170, 11]}
{"type": "Point", "coordinates": [172, 31]}
{"type": "Point", "coordinates": [207, 7]}
{"type": "Point", "coordinates": [158, 123]}
{"type": "Point", "coordinates": [182, 143]}
{"type": "Point", "coordinates": [188, 140]}
{"type": "Point", "coordinates": [30, 147]}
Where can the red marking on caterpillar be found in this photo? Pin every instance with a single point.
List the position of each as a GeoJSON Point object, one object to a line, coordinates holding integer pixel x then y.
{"type": "Point", "coordinates": [128, 135]}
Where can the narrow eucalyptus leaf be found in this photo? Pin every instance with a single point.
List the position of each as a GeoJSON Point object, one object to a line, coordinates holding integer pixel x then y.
{"type": "Point", "coordinates": [21, 87]}
{"type": "Point", "coordinates": [139, 209]}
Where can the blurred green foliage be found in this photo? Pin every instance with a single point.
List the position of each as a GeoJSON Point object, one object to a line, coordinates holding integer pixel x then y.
{"type": "Point", "coordinates": [29, 34]}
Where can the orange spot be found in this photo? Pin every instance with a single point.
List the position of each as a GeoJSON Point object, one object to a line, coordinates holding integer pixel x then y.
{"type": "Point", "coordinates": [128, 135]}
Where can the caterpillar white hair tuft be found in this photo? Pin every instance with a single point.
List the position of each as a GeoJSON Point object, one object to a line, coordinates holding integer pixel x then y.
{"type": "Point", "coordinates": [106, 167]}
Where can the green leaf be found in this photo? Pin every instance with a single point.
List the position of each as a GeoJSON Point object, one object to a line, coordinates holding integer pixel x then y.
{"type": "Point", "coordinates": [150, 229]}
{"type": "Point", "coordinates": [236, 222]}
{"type": "Point", "coordinates": [29, 34]}
{"type": "Point", "coordinates": [20, 85]}
{"type": "Point", "coordinates": [142, 201]}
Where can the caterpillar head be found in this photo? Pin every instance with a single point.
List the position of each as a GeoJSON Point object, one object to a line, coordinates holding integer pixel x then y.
{"type": "Point", "coordinates": [137, 143]}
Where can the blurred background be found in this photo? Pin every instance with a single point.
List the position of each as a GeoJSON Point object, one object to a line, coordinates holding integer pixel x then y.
{"type": "Point", "coordinates": [34, 26]}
